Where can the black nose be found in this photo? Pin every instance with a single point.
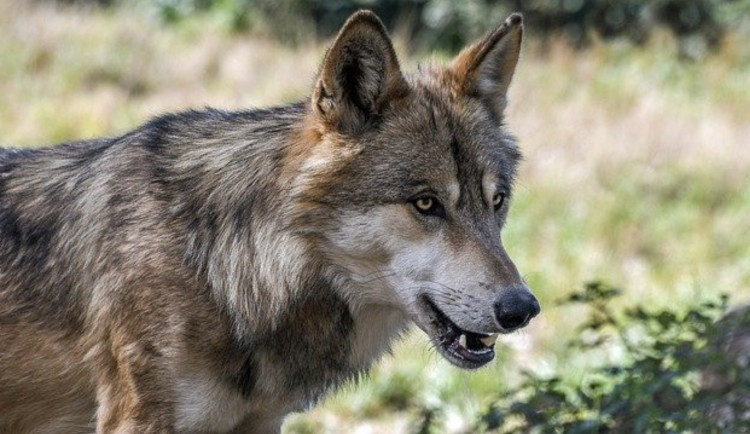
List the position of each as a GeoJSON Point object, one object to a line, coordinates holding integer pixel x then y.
{"type": "Point", "coordinates": [515, 308]}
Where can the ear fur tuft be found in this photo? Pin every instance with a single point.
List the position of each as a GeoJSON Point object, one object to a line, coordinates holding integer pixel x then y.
{"type": "Point", "coordinates": [359, 75]}
{"type": "Point", "coordinates": [485, 69]}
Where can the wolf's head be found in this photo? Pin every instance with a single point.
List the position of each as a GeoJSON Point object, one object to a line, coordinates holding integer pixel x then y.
{"type": "Point", "coordinates": [406, 180]}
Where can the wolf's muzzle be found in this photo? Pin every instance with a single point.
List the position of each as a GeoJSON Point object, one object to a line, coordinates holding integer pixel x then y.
{"type": "Point", "coordinates": [515, 307]}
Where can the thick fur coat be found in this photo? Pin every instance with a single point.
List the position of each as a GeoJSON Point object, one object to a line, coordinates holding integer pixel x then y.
{"type": "Point", "coordinates": [213, 271]}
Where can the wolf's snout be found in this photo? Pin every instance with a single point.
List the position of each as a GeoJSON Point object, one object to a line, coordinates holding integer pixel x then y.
{"type": "Point", "coordinates": [515, 308]}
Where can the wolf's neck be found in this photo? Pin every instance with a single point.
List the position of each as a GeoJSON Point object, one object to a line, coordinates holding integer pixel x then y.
{"type": "Point", "coordinates": [375, 330]}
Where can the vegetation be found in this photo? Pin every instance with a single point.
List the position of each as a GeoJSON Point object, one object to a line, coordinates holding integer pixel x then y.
{"type": "Point", "coordinates": [635, 172]}
{"type": "Point", "coordinates": [655, 388]}
{"type": "Point", "coordinates": [699, 24]}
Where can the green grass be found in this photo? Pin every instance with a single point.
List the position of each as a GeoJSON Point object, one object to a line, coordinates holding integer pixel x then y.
{"type": "Point", "coordinates": [636, 172]}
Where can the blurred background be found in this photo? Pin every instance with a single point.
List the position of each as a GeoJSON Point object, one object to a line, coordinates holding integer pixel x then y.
{"type": "Point", "coordinates": [631, 218]}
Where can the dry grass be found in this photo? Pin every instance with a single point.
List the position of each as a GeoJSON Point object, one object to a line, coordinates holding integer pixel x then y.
{"type": "Point", "coordinates": [79, 73]}
{"type": "Point", "coordinates": [636, 167]}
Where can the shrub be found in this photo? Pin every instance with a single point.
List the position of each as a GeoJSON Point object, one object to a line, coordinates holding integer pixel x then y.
{"type": "Point", "coordinates": [660, 385]}
{"type": "Point", "coordinates": [445, 24]}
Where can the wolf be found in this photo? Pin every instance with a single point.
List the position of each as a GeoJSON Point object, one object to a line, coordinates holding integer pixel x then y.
{"type": "Point", "coordinates": [212, 271]}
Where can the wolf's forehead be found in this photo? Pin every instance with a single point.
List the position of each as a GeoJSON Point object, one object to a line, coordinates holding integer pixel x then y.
{"type": "Point", "coordinates": [435, 138]}
{"type": "Point", "coordinates": [462, 127]}
{"type": "Point", "coordinates": [468, 138]}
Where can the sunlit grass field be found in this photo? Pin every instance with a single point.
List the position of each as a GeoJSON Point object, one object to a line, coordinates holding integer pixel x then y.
{"type": "Point", "coordinates": [636, 170]}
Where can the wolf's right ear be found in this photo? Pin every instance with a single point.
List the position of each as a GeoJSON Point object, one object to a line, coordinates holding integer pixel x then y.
{"type": "Point", "coordinates": [359, 76]}
{"type": "Point", "coordinates": [485, 69]}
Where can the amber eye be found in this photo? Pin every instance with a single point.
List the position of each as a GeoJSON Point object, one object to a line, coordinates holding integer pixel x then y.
{"type": "Point", "coordinates": [424, 204]}
{"type": "Point", "coordinates": [429, 206]}
{"type": "Point", "coordinates": [497, 200]}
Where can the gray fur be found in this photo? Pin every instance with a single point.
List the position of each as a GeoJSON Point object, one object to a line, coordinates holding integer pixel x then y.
{"type": "Point", "coordinates": [212, 271]}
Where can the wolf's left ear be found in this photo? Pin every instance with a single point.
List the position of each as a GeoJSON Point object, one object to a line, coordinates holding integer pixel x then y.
{"type": "Point", "coordinates": [486, 68]}
{"type": "Point", "coordinates": [359, 76]}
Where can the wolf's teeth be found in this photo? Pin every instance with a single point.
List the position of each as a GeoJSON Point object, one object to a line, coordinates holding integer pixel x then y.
{"type": "Point", "coordinates": [489, 340]}
{"type": "Point", "coordinates": [462, 340]}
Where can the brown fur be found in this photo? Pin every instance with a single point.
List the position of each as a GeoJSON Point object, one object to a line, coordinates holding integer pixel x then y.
{"type": "Point", "coordinates": [213, 271]}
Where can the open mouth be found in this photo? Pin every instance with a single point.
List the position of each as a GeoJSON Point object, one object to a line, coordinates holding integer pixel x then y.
{"type": "Point", "coordinates": [461, 347]}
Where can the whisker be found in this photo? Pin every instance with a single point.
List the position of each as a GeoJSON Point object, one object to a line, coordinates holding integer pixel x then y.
{"type": "Point", "coordinates": [443, 285]}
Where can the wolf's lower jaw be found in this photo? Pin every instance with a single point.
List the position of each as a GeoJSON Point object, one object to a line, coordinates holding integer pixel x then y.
{"type": "Point", "coordinates": [461, 347]}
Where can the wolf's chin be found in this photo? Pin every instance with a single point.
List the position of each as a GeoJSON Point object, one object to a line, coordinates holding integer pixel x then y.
{"type": "Point", "coordinates": [465, 349]}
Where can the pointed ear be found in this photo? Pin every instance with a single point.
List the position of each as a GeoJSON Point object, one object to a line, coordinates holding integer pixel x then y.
{"type": "Point", "coordinates": [359, 76]}
{"type": "Point", "coordinates": [486, 68]}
